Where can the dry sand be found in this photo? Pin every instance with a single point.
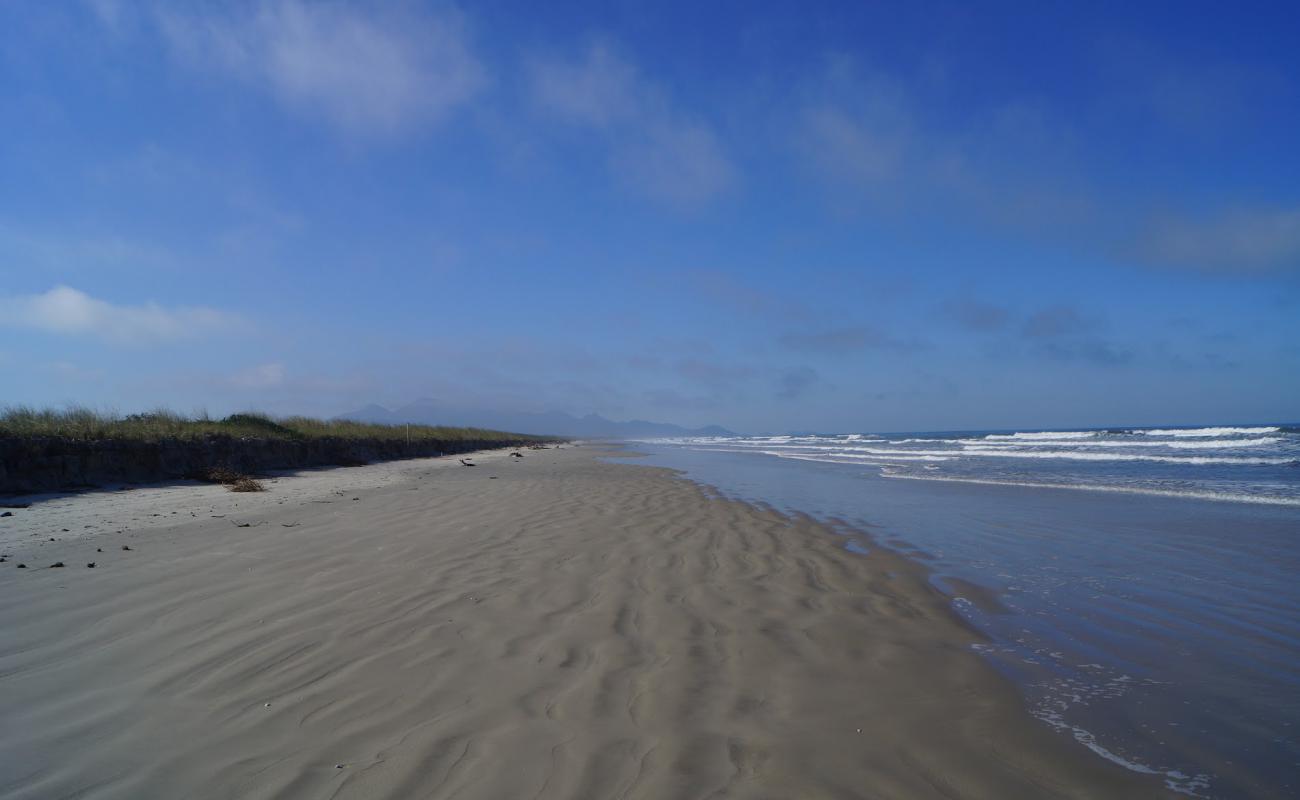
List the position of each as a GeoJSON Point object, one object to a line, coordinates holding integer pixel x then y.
{"type": "Point", "coordinates": [570, 629]}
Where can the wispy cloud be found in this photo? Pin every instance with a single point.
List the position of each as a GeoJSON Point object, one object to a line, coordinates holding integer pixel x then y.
{"type": "Point", "coordinates": [262, 376]}
{"type": "Point", "coordinates": [842, 341]}
{"type": "Point", "coordinates": [654, 145]}
{"type": "Point", "coordinates": [111, 14]}
{"type": "Point", "coordinates": [1245, 241]}
{"type": "Point", "coordinates": [64, 310]}
{"type": "Point", "coordinates": [794, 382]}
{"type": "Point", "coordinates": [712, 373]}
{"type": "Point", "coordinates": [69, 372]}
{"type": "Point", "coordinates": [1200, 96]}
{"type": "Point", "coordinates": [601, 90]}
{"type": "Point", "coordinates": [1090, 350]}
{"type": "Point", "coordinates": [1063, 333]}
{"type": "Point", "coordinates": [874, 137]}
{"type": "Point", "coordinates": [1055, 322]}
{"type": "Point", "coordinates": [858, 128]}
{"type": "Point", "coordinates": [673, 400]}
{"type": "Point", "coordinates": [739, 295]}
{"type": "Point", "coordinates": [368, 72]}
{"type": "Point", "coordinates": [977, 315]}
{"type": "Point", "coordinates": [54, 250]}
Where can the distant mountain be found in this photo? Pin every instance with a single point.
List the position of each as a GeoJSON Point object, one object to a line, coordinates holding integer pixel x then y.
{"type": "Point", "coordinates": [555, 423]}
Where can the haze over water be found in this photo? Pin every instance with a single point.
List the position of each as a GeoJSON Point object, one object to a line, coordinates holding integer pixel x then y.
{"type": "Point", "coordinates": [1145, 577]}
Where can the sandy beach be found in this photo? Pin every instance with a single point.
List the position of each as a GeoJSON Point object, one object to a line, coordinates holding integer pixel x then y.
{"type": "Point", "coordinates": [554, 626]}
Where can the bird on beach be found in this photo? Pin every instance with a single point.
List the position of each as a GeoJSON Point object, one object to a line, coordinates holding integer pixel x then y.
{"type": "Point", "coordinates": [467, 463]}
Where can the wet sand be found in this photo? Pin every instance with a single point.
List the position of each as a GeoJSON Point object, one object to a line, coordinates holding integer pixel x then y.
{"type": "Point", "coordinates": [547, 627]}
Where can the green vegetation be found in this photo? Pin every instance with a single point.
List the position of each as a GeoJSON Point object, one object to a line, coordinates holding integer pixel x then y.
{"type": "Point", "coordinates": [84, 424]}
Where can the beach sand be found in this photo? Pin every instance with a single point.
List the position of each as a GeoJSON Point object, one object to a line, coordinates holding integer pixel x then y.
{"type": "Point", "coordinates": [547, 627]}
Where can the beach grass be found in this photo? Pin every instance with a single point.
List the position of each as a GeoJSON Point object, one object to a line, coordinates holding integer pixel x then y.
{"type": "Point", "coordinates": [84, 424]}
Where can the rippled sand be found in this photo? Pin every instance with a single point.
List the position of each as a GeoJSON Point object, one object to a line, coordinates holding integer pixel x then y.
{"type": "Point", "coordinates": [567, 629]}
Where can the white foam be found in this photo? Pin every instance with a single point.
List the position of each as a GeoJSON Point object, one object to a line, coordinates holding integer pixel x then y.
{"type": "Point", "coordinates": [1259, 442]}
{"type": "Point", "coordinates": [819, 447]}
{"type": "Point", "coordinates": [877, 451]}
{"type": "Point", "coordinates": [1175, 780]}
{"type": "Point", "coordinates": [1072, 455]}
{"type": "Point", "coordinates": [1044, 435]}
{"type": "Point", "coordinates": [1177, 445]}
{"type": "Point", "coordinates": [1001, 450]}
{"type": "Point", "coordinates": [1227, 497]}
{"type": "Point", "coordinates": [1202, 432]}
{"type": "Point", "coordinates": [830, 456]}
{"type": "Point", "coordinates": [930, 441]}
{"type": "Point", "coordinates": [1068, 455]}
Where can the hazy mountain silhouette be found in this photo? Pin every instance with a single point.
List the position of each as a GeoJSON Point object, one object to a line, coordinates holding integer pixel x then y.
{"type": "Point", "coordinates": [593, 426]}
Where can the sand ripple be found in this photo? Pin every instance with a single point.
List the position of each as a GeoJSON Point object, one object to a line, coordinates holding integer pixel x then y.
{"type": "Point", "coordinates": [570, 629]}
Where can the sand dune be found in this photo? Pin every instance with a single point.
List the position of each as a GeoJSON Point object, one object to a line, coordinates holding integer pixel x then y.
{"type": "Point", "coordinates": [567, 629]}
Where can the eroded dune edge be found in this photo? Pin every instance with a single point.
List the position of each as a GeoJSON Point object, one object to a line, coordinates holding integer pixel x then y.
{"type": "Point", "coordinates": [547, 627]}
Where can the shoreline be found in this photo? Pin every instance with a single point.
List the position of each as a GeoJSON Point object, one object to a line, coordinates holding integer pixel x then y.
{"type": "Point", "coordinates": [603, 629]}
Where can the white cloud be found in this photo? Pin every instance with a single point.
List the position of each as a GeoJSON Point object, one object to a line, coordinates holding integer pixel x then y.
{"type": "Point", "coordinates": [110, 14]}
{"type": "Point", "coordinates": [262, 376]}
{"type": "Point", "coordinates": [654, 146]}
{"type": "Point", "coordinates": [65, 310]}
{"type": "Point", "coordinates": [72, 373]}
{"type": "Point", "coordinates": [875, 138]}
{"type": "Point", "coordinates": [367, 72]}
{"type": "Point", "coordinates": [1254, 241]}
{"type": "Point", "coordinates": [681, 163]}
{"type": "Point", "coordinates": [602, 90]}
{"type": "Point", "coordinates": [847, 147]}
{"type": "Point", "coordinates": [856, 126]}
{"type": "Point", "coordinates": [56, 250]}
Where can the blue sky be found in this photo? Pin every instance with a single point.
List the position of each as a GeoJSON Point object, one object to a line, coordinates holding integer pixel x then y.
{"type": "Point", "coordinates": [826, 216]}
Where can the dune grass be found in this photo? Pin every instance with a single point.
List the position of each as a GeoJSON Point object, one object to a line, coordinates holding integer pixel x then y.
{"type": "Point", "coordinates": [79, 423]}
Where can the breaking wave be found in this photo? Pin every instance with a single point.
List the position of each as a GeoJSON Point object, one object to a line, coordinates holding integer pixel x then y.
{"type": "Point", "coordinates": [1204, 432]}
{"type": "Point", "coordinates": [1237, 463]}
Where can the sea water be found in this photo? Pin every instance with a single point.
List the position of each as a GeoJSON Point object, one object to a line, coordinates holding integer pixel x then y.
{"type": "Point", "coordinates": [1148, 579]}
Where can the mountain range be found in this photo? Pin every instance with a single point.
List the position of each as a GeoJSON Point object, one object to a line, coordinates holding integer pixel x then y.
{"type": "Point", "coordinates": [553, 423]}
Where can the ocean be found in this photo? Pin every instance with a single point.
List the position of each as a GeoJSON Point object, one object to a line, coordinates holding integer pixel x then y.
{"type": "Point", "coordinates": [1144, 583]}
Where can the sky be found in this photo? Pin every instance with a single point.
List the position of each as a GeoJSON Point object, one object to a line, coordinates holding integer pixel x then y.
{"type": "Point", "coordinates": [773, 217]}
